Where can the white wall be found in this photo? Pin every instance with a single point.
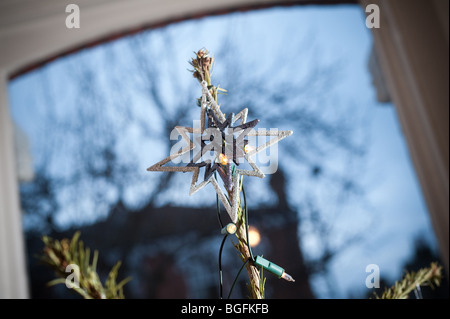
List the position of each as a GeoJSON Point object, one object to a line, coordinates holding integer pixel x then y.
{"type": "Point", "coordinates": [13, 274]}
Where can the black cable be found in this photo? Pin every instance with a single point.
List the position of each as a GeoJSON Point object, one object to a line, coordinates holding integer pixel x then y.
{"type": "Point", "coordinates": [252, 258]}
{"type": "Point", "coordinates": [235, 279]}
{"type": "Point", "coordinates": [220, 267]}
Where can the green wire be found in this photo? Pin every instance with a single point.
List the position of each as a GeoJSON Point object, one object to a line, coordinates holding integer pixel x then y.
{"type": "Point", "coordinates": [218, 206]}
{"type": "Point", "coordinates": [246, 223]}
{"type": "Point", "coordinates": [252, 258]}
{"type": "Point", "coordinates": [248, 245]}
{"type": "Point", "coordinates": [220, 267]}
{"type": "Point", "coordinates": [235, 279]}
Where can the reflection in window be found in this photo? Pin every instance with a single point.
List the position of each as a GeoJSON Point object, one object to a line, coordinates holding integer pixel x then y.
{"type": "Point", "coordinates": [344, 196]}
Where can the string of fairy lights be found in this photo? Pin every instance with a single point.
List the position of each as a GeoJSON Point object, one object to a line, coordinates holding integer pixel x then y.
{"type": "Point", "coordinates": [231, 229]}
{"type": "Point", "coordinates": [226, 140]}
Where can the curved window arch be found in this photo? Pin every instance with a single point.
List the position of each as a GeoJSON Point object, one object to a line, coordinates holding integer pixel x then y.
{"type": "Point", "coordinates": [97, 118]}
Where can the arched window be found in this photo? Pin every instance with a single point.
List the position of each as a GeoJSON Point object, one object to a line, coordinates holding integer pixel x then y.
{"type": "Point", "coordinates": [345, 194]}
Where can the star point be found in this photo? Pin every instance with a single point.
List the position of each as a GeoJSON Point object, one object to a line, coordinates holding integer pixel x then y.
{"type": "Point", "coordinates": [222, 142]}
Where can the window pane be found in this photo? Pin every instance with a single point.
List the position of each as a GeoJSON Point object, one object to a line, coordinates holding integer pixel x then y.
{"type": "Point", "coordinates": [345, 194]}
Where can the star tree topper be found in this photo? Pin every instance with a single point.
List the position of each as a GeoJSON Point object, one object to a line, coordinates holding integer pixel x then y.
{"type": "Point", "coordinates": [228, 145]}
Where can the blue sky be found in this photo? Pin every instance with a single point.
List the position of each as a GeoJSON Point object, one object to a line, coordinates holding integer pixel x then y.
{"type": "Point", "coordinates": [393, 213]}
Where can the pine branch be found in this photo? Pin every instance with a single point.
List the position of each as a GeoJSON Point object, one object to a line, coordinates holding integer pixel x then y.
{"type": "Point", "coordinates": [430, 276]}
{"type": "Point", "coordinates": [256, 286]}
{"type": "Point", "coordinates": [61, 254]}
